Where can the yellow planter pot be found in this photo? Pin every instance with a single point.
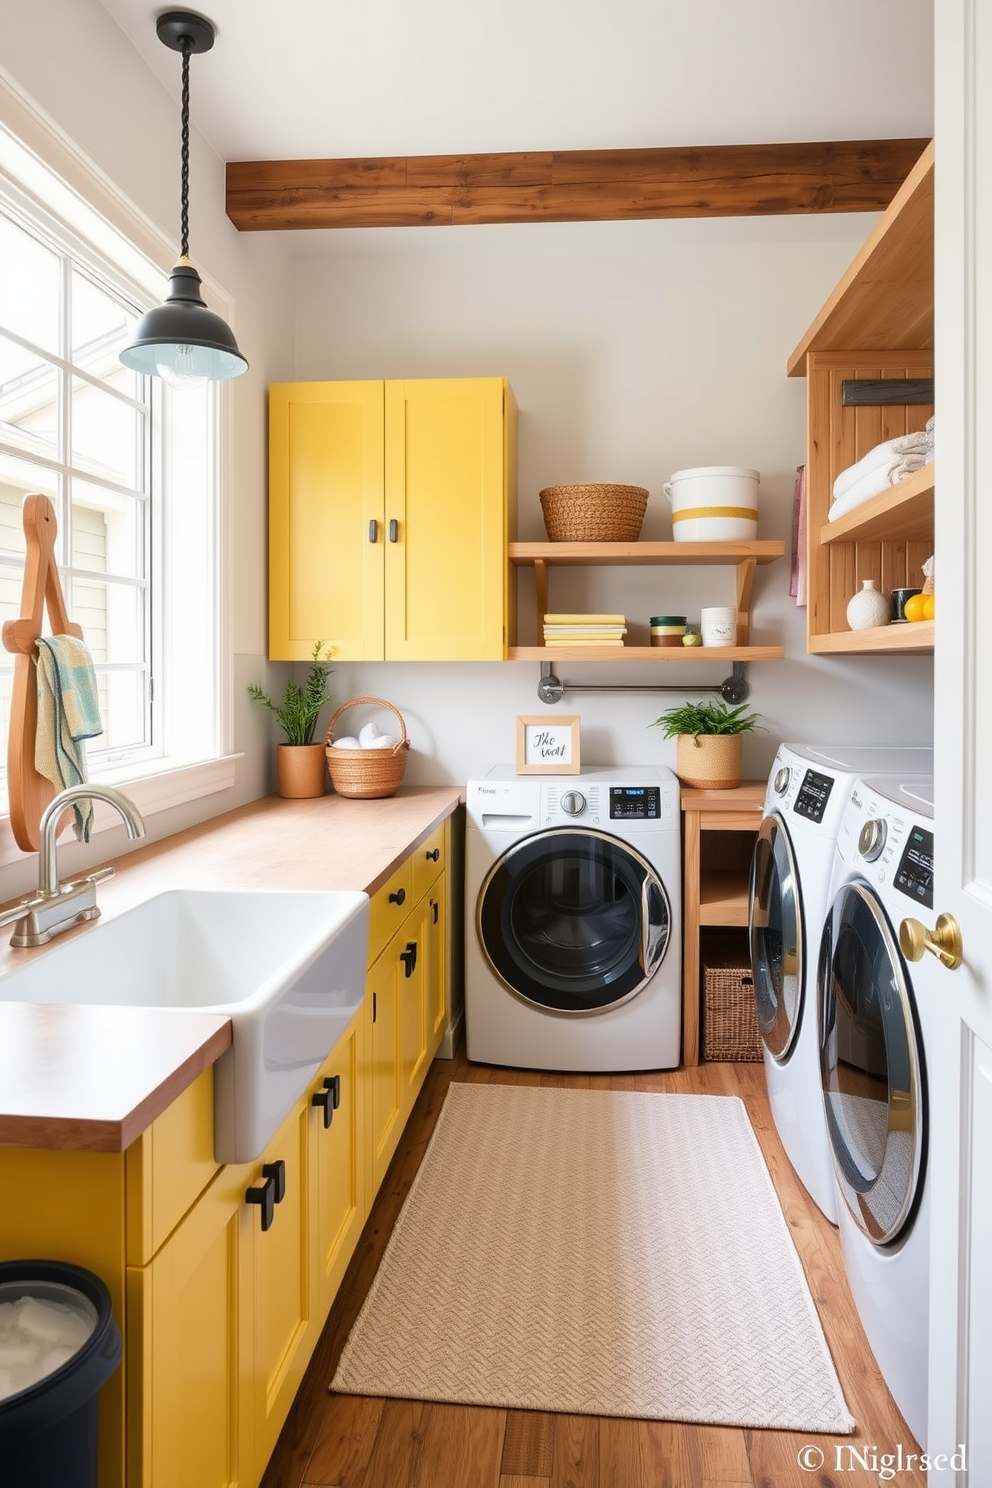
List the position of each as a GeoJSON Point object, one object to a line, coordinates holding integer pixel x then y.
{"type": "Point", "coordinates": [712, 761]}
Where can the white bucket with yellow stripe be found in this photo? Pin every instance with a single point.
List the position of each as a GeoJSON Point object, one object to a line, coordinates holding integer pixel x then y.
{"type": "Point", "coordinates": [714, 503]}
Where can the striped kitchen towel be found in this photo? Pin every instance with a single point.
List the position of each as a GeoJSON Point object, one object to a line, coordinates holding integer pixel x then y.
{"type": "Point", "coordinates": [68, 715]}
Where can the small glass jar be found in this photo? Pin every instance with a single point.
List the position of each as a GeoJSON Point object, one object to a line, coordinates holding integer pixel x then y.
{"type": "Point", "coordinates": [667, 630]}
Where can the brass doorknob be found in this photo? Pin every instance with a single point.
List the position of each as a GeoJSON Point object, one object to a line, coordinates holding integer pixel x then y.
{"type": "Point", "coordinates": [943, 941]}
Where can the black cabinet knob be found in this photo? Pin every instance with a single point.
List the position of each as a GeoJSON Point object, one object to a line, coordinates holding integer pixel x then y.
{"type": "Point", "coordinates": [399, 897]}
{"type": "Point", "coordinates": [434, 855]}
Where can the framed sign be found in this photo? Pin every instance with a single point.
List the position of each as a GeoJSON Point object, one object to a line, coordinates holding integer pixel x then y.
{"type": "Point", "coordinates": [547, 746]}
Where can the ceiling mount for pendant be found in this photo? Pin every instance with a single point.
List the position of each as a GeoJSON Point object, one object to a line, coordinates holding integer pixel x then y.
{"type": "Point", "coordinates": [181, 28]}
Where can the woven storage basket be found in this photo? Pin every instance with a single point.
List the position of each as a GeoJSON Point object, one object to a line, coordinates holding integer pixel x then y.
{"type": "Point", "coordinates": [594, 513]}
{"type": "Point", "coordinates": [730, 1022]}
{"type": "Point", "coordinates": [367, 773]}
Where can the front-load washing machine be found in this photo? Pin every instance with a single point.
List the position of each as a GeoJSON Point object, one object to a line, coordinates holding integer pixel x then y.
{"type": "Point", "coordinates": [874, 1018]}
{"type": "Point", "coordinates": [573, 919]}
{"type": "Point", "coordinates": [790, 882]}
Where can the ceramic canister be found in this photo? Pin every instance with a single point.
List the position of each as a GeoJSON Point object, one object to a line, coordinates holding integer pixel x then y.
{"type": "Point", "coordinates": [667, 630]}
{"type": "Point", "coordinates": [718, 625]}
{"type": "Point", "coordinates": [714, 503]}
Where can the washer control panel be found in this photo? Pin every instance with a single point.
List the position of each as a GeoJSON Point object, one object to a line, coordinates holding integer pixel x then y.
{"type": "Point", "coordinates": [635, 803]}
{"type": "Point", "coordinates": [813, 795]}
{"type": "Point", "coordinates": [915, 872]}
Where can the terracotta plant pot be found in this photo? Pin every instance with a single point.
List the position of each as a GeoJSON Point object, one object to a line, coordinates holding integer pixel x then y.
{"type": "Point", "coordinates": [711, 761]}
{"type": "Point", "coordinates": [302, 770]}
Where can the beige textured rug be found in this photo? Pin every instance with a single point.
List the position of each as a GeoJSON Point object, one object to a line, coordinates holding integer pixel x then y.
{"type": "Point", "coordinates": [596, 1252]}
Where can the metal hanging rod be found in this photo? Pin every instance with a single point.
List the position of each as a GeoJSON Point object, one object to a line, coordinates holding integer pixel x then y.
{"type": "Point", "coordinates": [733, 689]}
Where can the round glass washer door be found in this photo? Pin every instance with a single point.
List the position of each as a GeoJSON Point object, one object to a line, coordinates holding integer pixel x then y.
{"type": "Point", "coordinates": [871, 1065]}
{"type": "Point", "coordinates": [573, 920]}
{"type": "Point", "coordinates": [775, 930]}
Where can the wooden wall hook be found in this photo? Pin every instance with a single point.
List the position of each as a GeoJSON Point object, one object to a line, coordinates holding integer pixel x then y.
{"type": "Point", "coordinates": [29, 791]}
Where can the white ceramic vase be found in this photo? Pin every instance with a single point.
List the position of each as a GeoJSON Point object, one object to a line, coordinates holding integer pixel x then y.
{"type": "Point", "coordinates": [868, 607]}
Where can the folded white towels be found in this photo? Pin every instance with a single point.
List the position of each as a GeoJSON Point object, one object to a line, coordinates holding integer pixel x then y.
{"type": "Point", "coordinates": [891, 453]}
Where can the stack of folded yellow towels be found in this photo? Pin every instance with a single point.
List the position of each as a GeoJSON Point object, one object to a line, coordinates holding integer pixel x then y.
{"type": "Point", "coordinates": [584, 630]}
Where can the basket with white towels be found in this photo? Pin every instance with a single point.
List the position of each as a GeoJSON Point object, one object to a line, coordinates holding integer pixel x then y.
{"type": "Point", "coordinates": [885, 465]}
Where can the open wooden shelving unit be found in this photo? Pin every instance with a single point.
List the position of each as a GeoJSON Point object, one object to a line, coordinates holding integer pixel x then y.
{"type": "Point", "coordinates": [744, 557]}
{"type": "Point", "coordinates": [877, 324]}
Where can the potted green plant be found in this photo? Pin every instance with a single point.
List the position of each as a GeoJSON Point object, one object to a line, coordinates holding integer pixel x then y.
{"type": "Point", "coordinates": [301, 762]}
{"type": "Point", "coordinates": [709, 741]}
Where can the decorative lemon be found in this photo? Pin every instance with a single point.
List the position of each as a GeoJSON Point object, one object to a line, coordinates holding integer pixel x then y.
{"type": "Point", "coordinates": [692, 638]}
{"type": "Point", "coordinates": [916, 607]}
{"type": "Point", "coordinates": [928, 607]}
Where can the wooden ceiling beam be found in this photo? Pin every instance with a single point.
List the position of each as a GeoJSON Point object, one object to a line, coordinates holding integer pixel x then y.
{"type": "Point", "coordinates": [569, 185]}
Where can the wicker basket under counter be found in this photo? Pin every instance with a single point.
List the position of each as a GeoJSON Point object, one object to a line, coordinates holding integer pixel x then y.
{"type": "Point", "coordinates": [730, 1021]}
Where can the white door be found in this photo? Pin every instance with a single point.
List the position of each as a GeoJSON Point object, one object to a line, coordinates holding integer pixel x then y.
{"type": "Point", "coordinates": [961, 1061]}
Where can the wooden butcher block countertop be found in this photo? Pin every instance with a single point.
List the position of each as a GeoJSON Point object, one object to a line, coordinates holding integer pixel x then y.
{"type": "Point", "coordinates": [92, 1079]}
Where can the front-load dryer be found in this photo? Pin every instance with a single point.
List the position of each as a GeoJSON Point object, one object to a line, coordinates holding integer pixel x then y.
{"type": "Point", "coordinates": [573, 916]}
{"type": "Point", "coordinates": [874, 1029]}
{"type": "Point", "coordinates": [790, 883]}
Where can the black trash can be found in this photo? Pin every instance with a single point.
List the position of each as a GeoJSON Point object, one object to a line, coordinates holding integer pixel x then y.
{"type": "Point", "coordinates": [49, 1430]}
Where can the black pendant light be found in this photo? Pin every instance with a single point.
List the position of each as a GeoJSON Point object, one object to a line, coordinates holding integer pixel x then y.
{"type": "Point", "coordinates": [182, 341]}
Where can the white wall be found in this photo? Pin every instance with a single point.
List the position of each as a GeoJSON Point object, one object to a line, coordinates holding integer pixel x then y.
{"type": "Point", "coordinates": [73, 63]}
{"type": "Point", "coordinates": [634, 350]}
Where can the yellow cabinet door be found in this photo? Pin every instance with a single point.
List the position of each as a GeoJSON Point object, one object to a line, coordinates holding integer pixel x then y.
{"type": "Point", "coordinates": [281, 1276]}
{"type": "Point", "coordinates": [413, 1006]}
{"type": "Point", "coordinates": [337, 1162]}
{"type": "Point", "coordinates": [189, 1350]}
{"type": "Point", "coordinates": [436, 965]}
{"type": "Point", "coordinates": [450, 492]}
{"type": "Point", "coordinates": [385, 1105]}
{"type": "Point", "coordinates": [326, 536]}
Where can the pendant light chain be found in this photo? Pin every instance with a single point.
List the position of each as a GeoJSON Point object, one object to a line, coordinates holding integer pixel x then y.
{"type": "Point", "coordinates": [184, 246]}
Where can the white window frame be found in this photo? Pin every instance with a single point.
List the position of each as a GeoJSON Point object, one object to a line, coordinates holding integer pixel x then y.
{"type": "Point", "coordinates": [60, 180]}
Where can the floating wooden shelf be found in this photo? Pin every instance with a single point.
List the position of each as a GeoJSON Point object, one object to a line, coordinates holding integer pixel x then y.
{"type": "Point", "coordinates": [902, 513]}
{"type": "Point", "coordinates": [645, 653]}
{"type": "Point", "coordinates": [605, 555]}
{"type": "Point", "coordinates": [910, 639]}
{"type": "Point", "coordinates": [885, 300]}
{"type": "Point", "coordinates": [742, 556]}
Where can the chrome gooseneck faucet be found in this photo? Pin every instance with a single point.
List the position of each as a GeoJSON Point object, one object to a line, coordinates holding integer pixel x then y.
{"type": "Point", "coordinates": [55, 907]}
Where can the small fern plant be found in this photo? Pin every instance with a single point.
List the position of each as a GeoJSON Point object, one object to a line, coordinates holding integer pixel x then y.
{"type": "Point", "coordinates": [299, 710]}
{"type": "Point", "coordinates": [706, 718]}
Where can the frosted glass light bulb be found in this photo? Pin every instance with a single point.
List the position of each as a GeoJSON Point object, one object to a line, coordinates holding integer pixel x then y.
{"type": "Point", "coordinates": [180, 371]}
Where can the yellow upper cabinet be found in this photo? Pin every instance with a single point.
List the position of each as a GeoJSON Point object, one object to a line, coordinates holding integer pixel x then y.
{"type": "Point", "coordinates": [390, 508]}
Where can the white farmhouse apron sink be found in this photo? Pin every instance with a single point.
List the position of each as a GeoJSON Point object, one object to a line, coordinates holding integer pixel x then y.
{"type": "Point", "coordinates": [287, 967]}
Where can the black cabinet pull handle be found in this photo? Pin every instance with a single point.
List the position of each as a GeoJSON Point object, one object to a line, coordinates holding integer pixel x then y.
{"type": "Point", "coordinates": [394, 530]}
{"type": "Point", "coordinates": [322, 1099]}
{"type": "Point", "coordinates": [433, 856]}
{"type": "Point", "coordinates": [270, 1192]}
{"type": "Point", "coordinates": [409, 957]}
{"type": "Point", "coordinates": [399, 897]}
{"type": "Point", "coordinates": [333, 1084]}
{"type": "Point", "coordinates": [373, 531]}
{"type": "Point", "coordinates": [277, 1172]}
{"type": "Point", "coordinates": [434, 911]}
{"type": "Point", "coordinates": [265, 1195]}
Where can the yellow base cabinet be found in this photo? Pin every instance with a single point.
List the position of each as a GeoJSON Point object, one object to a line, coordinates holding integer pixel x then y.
{"type": "Point", "coordinates": [390, 508]}
{"type": "Point", "coordinates": [337, 1165]}
{"type": "Point", "coordinates": [221, 1277]}
{"type": "Point", "coordinates": [188, 1354]}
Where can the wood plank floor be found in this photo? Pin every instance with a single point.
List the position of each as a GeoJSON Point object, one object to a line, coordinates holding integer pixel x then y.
{"type": "Point", "coordinates": [338, 1441]}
